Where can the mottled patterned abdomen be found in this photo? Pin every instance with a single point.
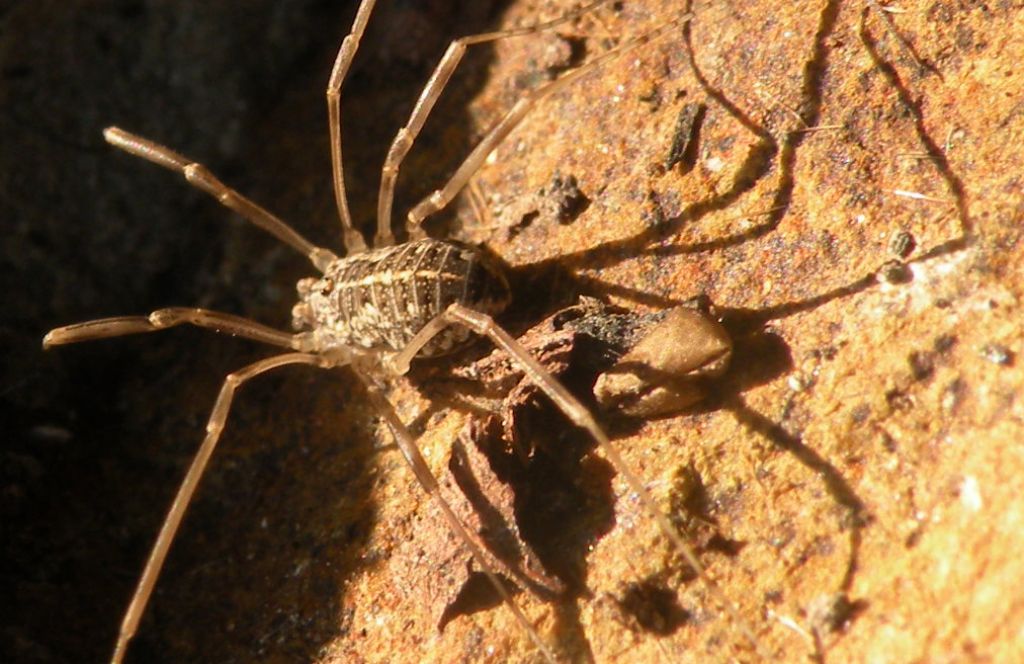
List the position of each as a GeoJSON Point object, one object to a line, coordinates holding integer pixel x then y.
{"type": "Point", "coordinates": [378, 300]}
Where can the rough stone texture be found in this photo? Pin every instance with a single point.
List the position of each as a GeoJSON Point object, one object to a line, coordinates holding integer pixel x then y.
{"type": "Point", "coordinates": [855, 477]}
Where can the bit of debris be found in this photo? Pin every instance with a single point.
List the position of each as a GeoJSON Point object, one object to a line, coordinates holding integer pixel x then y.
{"type": "Point", "coordinates": [902, 244]}
{"type": "Point", "coordinates": [693, 507]}
{"type": "Point", "coordinates": [830, 612]}
{"type": "Point", "coordinates": [478, 472]}
{"type": "Point", "coordinates": [666, 370]}
{"type": "Point", "coordinates": [997, 354]}
{"type": "Point", "coordinates": [479, 486]}
{"type": "Point", "coordinates": [684, 140]}
{"type": "Point", "coordinates": [894, 272]}
{"type": "Point", "coordinates": [943, 343]}
{"type": "Point", "coordinates": [652, 607]}
{"type": "Point", "coordinates": [953, 394]}
{"type": "Point", "coordinates": [549, 55]}
{"type": "Point", "coordinates": [564, 198]}
{"type": "Point", "coordinates": [51, 432]}
{"type": "Point", "coordinates": [918, 196]}
{"type": "Point", "coordinates": [561, 200]}
{"type": "Point", "coordinates": [922, 365]}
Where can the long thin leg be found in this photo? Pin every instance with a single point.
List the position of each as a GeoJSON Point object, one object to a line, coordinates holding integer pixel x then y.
{"type": "Point", "coordinates": [199, 176]}
{"type": "Point", "coordinates": [353, 239]}
{"type": "Point", "coordinates": [441, 197]}
{"type": "Point", "coordinates": [161, 319]}
{"type": "Point", "coordinates": [214, 427]}
{"type": "Point", "coordinates": [428, 97]}
{"type": "Point", "coordinates": [426, 478]}
{"type": "Point", "coordinates": [580, 416]}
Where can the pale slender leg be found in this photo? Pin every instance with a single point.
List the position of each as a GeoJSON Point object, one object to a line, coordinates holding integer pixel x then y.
{"type": "Point", "coordinates": [428, 97]}
{"type": "Point", "coordinates": [580, 416]}
{"type": "Point", "coordinates": [199, 176]}
{"type": "Point", "coordinates": [181, 501]}
{"type": "Point", "coordinates": [441, 197]}
{"type": "Point", "coordinates": [354, 241]}
{"type": "Point", "coordinates": [426, 478]}
{"type": "Point", "coordinates": [161, 319]}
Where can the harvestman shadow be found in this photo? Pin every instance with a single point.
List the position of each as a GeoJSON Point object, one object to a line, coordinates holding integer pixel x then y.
{"type": "Point", "coordinates": [746, 325]}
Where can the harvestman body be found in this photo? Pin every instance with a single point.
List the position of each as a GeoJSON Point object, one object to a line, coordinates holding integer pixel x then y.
{"type": "Point", "coordinates": [375, 310]}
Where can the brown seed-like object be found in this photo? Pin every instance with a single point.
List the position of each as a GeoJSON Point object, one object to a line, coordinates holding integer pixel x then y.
{"type": "Point", "coordinates": [667, 369]}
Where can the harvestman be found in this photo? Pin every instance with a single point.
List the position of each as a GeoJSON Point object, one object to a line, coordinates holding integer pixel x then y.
{"type": "Point", "coordinates": [376, 310]}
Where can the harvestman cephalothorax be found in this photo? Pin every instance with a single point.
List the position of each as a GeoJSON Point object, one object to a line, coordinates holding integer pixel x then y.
{"type": "Point", "coordinates": [376, 310]}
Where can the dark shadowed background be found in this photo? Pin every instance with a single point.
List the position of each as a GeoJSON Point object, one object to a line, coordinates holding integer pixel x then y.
{"type": "Point", "coordinates": [96, 436]}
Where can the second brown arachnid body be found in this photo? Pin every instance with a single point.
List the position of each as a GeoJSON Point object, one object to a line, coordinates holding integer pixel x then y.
{"type": "Point", "coordinates": [376, 310]}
